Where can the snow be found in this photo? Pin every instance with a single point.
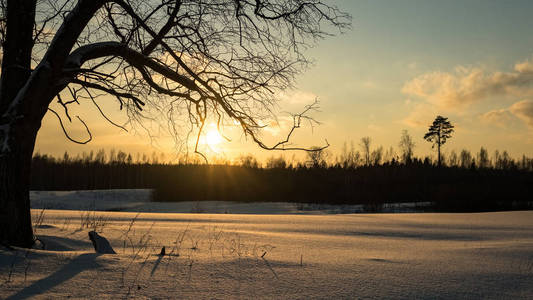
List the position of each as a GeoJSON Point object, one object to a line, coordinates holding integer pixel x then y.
{"type": "Point", "coordinates": [135, 200]}
{"type": "Point", "coordinates": [272, 256]}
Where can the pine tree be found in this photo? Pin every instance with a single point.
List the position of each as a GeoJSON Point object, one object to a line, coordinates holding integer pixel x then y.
{"type": "Point", "coordinates": [438, 133]}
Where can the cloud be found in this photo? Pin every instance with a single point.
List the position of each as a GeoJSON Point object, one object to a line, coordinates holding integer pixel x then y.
{"type": "Point", "coordinates": [522, 110]}
{"type": "Point", "coordinates": [499, 117]}
{"type": "Point", "coordinates": [457, 90]}
{"type": "Point", "coordinates": [421, 115]}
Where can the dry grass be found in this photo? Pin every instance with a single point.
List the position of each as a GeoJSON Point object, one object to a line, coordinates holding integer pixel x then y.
{"type": "Point", "coordinates": [90, 220]}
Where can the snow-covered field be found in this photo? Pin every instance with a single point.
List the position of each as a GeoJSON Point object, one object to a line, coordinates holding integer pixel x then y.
{"type": "Point", "coordinates": [328, 256]}
{"type": "Point", "coordinates": [139, 201]}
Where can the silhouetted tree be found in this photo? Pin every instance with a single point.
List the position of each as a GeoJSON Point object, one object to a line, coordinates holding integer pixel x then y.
{"type": "Point", "coordinates": [483, 158]}
{"type": "Point", "coordinates": [407, 146]}
{"type": "Point", "coordinates": [376, 157]}
{"type": "Point", "coordinates": [248, 161]}
{"type": "Point", "coordinates": [100, 156]}
{"type": "Point", "coordinates": [526, 163]}
{"type": "Point", "coordinates": [453, 159]}
{"type": "Point", "coordinates": [466, 158]}
{"type": "Point", "coordinates": [457, 188]}
{"type": "Point", "coordinates": [390, 156]}
{"type": "Point", "coordinates": [211, 60]}
{"type": "Point", "coordinates": [365, 147]}
{"type": "Point", "coordinates": [276, 163]}
{"type": "Point", "coordinates": [349, 158]}
{"type": "Point", "coordinates": [121, 157]}
{"type": "Point", "coordinates": [316, 157]}
{"type": "Point", "coordinates": [503, 161]}
{"type": "Point", "coordinates": [438, 133]}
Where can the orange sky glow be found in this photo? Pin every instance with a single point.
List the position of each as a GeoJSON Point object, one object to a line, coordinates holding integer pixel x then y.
{"type": "Point", "coordinates": [400, 66]}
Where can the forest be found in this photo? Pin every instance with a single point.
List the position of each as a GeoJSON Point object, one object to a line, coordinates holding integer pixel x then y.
{"type": "Point", "coordinates": [464, 181]}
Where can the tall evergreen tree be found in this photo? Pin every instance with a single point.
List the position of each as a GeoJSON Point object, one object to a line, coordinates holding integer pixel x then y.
{"type": "Point", "coordinates": [438, 133]}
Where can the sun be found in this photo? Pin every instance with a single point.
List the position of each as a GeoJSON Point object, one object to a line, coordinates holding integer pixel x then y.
{"type": "Point", "coordinates": [213, 138]}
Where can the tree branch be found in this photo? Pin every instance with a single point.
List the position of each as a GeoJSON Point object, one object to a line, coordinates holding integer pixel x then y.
{"type": "Point", "coordinates": [66, 133]}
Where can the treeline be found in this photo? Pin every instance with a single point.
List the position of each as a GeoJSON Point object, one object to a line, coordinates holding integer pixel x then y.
{"type": "Point", "coordinates": [351, 157]}
{"type": "Point", "coordinates": [470, 183]}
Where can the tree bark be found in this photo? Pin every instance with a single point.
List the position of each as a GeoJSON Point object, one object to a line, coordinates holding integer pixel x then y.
{"type": "Point", "coordinates": [16, 57]}
{"type": "Point", "coordinates": [438, 151]}
{"type": "Point", "coordinates": [15, 216]}
{"type": "Point", "coordinates": [438, 145]}
{"type": "Point", "coordinates": [24, 99]}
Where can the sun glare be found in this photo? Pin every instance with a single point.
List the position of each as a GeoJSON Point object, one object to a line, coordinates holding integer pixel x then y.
{"type": "Point", "coordinates": [213, 138]}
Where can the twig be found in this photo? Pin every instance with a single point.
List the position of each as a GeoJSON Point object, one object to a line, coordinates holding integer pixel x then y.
{"type": "Point", "coordinates": [66, 133]}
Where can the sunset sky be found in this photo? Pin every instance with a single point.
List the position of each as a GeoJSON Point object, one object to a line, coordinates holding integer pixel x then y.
{"type": "Point", "coordinates": [403, 63]}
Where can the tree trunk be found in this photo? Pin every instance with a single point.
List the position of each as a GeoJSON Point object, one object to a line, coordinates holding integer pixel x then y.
{"type": "Point", "coordinates": [16, 56]}
{"type": "Point", "coordinates": [24, 99]}
{"type": "Point", "coordinates": [438, 145]}
{"type": "Point", "coordinates": [438, 151]}
{"type": "Point", "coordinates": [15, 217]}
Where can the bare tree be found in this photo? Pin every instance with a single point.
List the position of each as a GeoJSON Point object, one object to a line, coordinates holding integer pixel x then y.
{"type": "Point", "coordinates": [248, 161]}
{"type": "Point", "coordinates": [503, 161]}
{"type": "Point", "coordinates": [483, 158]}
{"type": "Point", "coordinates": [317, 157]}
{"type": "Point", "coordinates": [453, 160]}
{"type": "Point", "coordinates": [193, 62]}
{"type": "Point", "coordinates": [349, 158]}
{"type": "Point", "coordinates": [466, 159]}
{"type": "Point", "coordinates": [276, 162]}
{"type": "Point", "coordinates": [365, 147]}
{"type": "Point", "coordinates": [390, 156]}
{"type": "Point", "coordinates": [376, 157]}
{"type": "Point", "coordinates": [497, 159]}
{"type": "Point", "coordinates": [407, 146]}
